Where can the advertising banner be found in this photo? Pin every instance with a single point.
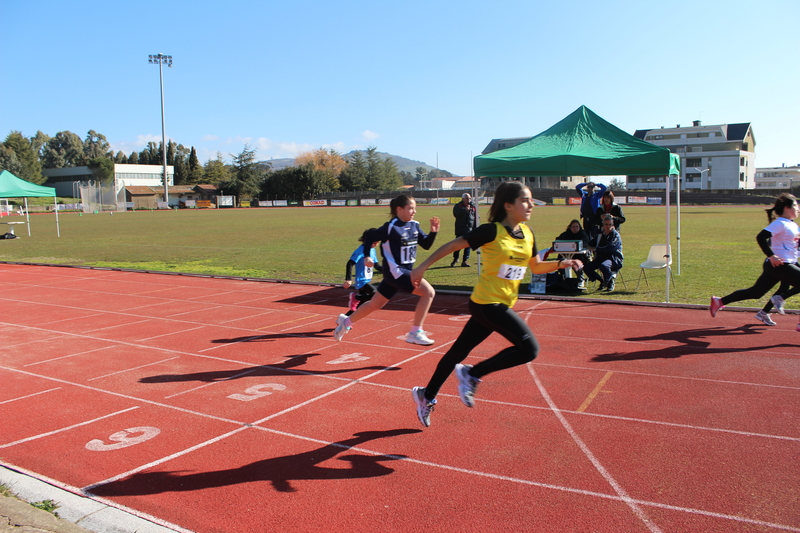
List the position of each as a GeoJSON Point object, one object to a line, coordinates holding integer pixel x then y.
{"type": "Point", "coordinates": [314, 203]}
{"type": "Point", "coordinates": [637, 199]}
{"type": "Point", "coordinates": [367, 201]}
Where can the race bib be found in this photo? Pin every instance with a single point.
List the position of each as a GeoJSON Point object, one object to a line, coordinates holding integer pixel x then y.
{"type": "Point", "coordinates": [510, 272]}
{"type": "Point", "coordinates": [367, 273]}
{"type": "Point", "coordinates": [408, 254]}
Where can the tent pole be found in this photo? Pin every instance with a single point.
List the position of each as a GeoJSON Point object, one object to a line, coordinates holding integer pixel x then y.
{"type": "Point", "coordinates": [27, 216]}
{"type": "Point", "coordinates": [667, 270]}
{"type": "Point", "coordinates": [55, 207]}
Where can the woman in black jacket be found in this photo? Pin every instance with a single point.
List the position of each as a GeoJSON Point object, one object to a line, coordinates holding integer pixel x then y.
{"type": "Point", "coordinates": [608, 207]}
{"type": "Point", "coordinates": [574, 232]}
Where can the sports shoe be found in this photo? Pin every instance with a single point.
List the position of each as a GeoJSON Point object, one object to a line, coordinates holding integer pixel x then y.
{"type": "Point", "coordinates": [465, 264]}
{"type": "Point", "coordinates": [610, 286]}
{"type": "Point", "coordinates": [765, 318]}
{"type": "Point", "coordinates": [424, 407]}
{"type": "Point", "coordinates": [778, 302]}
{"type": "Point", "coordinates": [798, 326]}
{"type": "Point", "coordinates": [353, 302]}
{"type": "Point", "coordinates": [419, 337]}
{"type": "Point", "coordinates": [716, 305]}
{"type": "Point", "coordinates": [466, 385]}
{"type": "Point", "coordinates": [454, 263]}
{"type": "Point", "coordinates": [341, 329]}
{"type": "Point", "coordinates": [602, 286]}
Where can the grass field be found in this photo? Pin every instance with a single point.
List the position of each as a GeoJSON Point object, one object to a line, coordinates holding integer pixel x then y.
{"type": "Point", "coordinates": [718, 249]}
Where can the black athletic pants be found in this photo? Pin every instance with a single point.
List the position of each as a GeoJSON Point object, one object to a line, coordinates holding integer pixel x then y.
{"type": "Point", "coordinates": [486, 319]}
{"type": "Point", "coordinates": [788, 273]}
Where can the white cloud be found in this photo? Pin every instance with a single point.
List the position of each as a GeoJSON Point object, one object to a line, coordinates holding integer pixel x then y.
{"type": "Point", "coordinates": [209, 138]}
{"type": "Point", "coordinates": [369, 136]}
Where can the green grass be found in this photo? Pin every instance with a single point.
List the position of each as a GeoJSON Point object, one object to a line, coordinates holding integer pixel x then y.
{"type": "Point", "coordinates": [718, 248]}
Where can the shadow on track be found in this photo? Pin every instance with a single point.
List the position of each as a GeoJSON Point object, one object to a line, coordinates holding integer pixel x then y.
{"type": "Point", "coordinates": [279, 471]}
{"type": "Point", "coordinates": [693, 342]}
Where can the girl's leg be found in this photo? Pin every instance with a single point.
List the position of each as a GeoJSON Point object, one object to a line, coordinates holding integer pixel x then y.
{"type": "Point", "coordinates": [508, 324]}
{"type": "Point", "coordinates": [377, 302]}
{"type": "Point", "coordinates": [784, 288]}
{"type": "Point", "coordinates": [426, 292]}
{"type": "Point", "coordinates": [473, 334]}
{"type": "Point", "coordinates": [763, 284]}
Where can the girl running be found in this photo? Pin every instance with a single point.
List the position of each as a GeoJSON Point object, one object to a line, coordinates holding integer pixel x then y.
{"type": "Point", "coordinates": [509, 247]}
{"type": "Point", "coordinates": [778, 241]}
{"type": "Point", "coordinates": [365, 265]}
{"type": "Point", "coordinates": [399, 239]}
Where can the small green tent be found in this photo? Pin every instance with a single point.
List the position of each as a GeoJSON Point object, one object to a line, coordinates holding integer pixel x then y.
{"type": "Point", "coordinates": [582, 144]}
{"type": "Point", "coordinates": [14, 187]}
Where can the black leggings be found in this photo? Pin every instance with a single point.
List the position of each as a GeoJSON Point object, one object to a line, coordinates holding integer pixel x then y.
{"type": "Point", "coordinates": [788, 273]}
{"type": "Point", "coordinates": [363, 295]}
{"type": "Point", "coordinates": [485, 320]}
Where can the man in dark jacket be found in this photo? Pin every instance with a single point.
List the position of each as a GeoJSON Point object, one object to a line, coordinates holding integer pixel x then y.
{"type": "Point", "coordinates": [607, 248]}
{"type": "Point", "coordinates": [466, 216]}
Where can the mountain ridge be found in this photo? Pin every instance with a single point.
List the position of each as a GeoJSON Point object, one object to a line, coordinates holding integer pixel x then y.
{"type": "Point", "coordinates": [403, 163]}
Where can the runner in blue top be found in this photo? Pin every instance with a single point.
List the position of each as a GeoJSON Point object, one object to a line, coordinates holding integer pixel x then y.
{"type": "Point", "coordinates": [365, 265]}
{"type": "Point", "coordinates": [399, 240]}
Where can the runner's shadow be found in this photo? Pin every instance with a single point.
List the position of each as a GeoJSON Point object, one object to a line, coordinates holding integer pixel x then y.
{"type": "Point", "coordinates": [282, 369]}
{"type": "Point", "coordinates": [274, 336]}
{"type": "Point", "coordinates": [694, 341]}
{"type": "Point", "coordinates": [279, 471]}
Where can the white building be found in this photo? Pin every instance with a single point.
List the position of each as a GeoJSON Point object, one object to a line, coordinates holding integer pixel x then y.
{"type": "Point", "coordinates": [778, 177]}
{"type": "Point", "coordinates": [712, 157]}
{"type": "Point", "coordinates": [68, 180]}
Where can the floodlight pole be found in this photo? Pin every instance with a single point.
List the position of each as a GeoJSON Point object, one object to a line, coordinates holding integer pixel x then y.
{"type": "Point", "coordinates": [161, 60]}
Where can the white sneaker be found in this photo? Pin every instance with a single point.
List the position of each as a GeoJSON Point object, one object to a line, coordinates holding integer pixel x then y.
{"type": "Point", "coordinates": [765, 318]}
{"type": "Point", "coordinates": [419, 338]}
{"type": "Point", "coordinates": [341, 329]}
{"type": "Point", "coordinates": [778, 302]}
{"type": "Point", "coordinates": [466, 385]}
{"type": "Point", "coordinates": [424, 407]}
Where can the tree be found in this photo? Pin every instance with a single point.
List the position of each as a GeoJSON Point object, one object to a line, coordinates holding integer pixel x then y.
{"type": "Point", "coordinates": [27, 157]}
{"type": "Point", "coordinates": [133, 159]}
{"type": "Point", "coordinates": [328, 165]}
{"type": "Point", "coordinates": [215, 171]}
{"type": "Point", "coordinates": [9, 161]}
{"type": "Point", "coordinates": [354, 177]}
{"type": "Point", "coordinates": [120, 158]}
{"type": "Point", "coordinates": [63, 151]}
{"type": "Point", "coordinates": [102, 168]}
{"type": "Point", "coordinates": [195, 170]}
{"type": "Point", "coordinates": [95, 145]}
{"type": "Point", "coordinates": [246, 175]}
{"type": "Point", "coordinates": [617, 184]}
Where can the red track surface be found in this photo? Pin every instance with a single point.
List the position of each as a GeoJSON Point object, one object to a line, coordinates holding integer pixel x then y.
{"type": "Point", "coordinates": [219, 405]}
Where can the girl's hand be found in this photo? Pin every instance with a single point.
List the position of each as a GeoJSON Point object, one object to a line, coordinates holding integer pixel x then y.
{"type": "Point", "coordinates": [416, 277]}
{"type": "Point", "coordinates": [775, 261]}
{"type": "Point", "coordinates": [369, 262]}
{"type": "Point", "coordinates": [575, 264]}
{"type": "Point", "coordinates": [434, 224]}
{"type": "Point", "coordinates": [347, 284]}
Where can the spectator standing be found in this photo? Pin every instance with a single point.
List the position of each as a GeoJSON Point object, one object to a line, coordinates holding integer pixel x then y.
{"type": "Point", "coordinates": [466, 217]}
{"type": "Point", "coordinates": [590, 201]}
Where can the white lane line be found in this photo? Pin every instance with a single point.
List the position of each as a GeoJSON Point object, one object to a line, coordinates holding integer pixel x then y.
{"type": "Point", "coordinates": [67, 356]}
{"type": "Point", "coordinates": [181, 332]}
{"type": "Point", "coordinates": [61, 430]}
{"type": "Point", "coordinates": [134, 368]}
{"type": "Point", "coordinates": [637, 510]}
{"type": "Point", "coordinates": [29, 395]}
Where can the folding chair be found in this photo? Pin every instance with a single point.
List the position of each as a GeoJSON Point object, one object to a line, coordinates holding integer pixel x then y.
{"type": "Point", "coordinates": [660, 257]}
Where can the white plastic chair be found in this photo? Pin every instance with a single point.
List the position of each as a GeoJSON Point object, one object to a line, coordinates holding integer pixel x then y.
{"type": "Point", "coordinates": [660, 257]}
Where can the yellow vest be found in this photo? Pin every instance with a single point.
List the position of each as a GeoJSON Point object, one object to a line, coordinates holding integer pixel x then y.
{"type": "Point", "coordinates": [504, 262]}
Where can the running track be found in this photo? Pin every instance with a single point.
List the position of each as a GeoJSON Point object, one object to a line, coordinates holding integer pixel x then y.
{"type": "Point", "coordinates": [214, 405]}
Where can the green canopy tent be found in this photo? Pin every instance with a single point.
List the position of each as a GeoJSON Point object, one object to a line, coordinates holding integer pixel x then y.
{"type": "Point", "coordinates": [14, 187]}
{"type": "Point", "coordinates": [582, 144]}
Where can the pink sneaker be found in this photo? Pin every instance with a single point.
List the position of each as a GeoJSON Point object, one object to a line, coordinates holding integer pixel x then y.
{"type": "Point", "coordinates": [353, 301]}
{"type": "Point", "coordinates": [798, 326]}
{"type": "Point", "coordinates": [716, 305]}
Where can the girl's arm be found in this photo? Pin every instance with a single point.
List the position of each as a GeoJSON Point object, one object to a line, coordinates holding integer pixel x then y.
{"type": "Point", "coordinates": [443, 251]}
{"type": "Point", "coordinates": [538, 266]}
{"type": "Point", "coordinates": [764, 239]}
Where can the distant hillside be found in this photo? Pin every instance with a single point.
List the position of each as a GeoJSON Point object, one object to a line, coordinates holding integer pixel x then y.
{"type": "Point", "coordinates": [403, 164]}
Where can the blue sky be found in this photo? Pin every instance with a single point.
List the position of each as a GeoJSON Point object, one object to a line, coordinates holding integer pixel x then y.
{"type": "Point", "coordinates": [429, 80]}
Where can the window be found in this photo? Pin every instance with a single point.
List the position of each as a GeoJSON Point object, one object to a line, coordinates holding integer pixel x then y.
{"type": "Point", "coordinates": [741, 176]}
{"type": "Point", "coordinates": [693, 162]}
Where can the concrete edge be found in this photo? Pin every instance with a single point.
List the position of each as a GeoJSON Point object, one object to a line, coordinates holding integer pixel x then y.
{"type": "Point", "coordinates": [94, 514]}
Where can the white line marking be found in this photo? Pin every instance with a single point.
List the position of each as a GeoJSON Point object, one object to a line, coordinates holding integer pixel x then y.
{"type": "Point", "coordinates": [181, 332]}
{"type": "Point", "coordinates": [67, 356]}
{"type": "Point", "coordinates": [589, 455]}
{"type": "Point", "coordinates": [87, 422]}
{"type": "Point", "coordinates": [29, 395]}
{"type": "Point", "coordinates": [134, 368]}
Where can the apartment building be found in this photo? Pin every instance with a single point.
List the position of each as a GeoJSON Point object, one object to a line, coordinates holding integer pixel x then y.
{"type": "Point", "coordinates": [712, 157]}
{"type": "Point", "coordinates": [782, 177]}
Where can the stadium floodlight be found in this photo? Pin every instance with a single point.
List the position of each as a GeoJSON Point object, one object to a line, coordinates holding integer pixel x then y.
{"type": "Point", "coordinates": [160, 60]}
